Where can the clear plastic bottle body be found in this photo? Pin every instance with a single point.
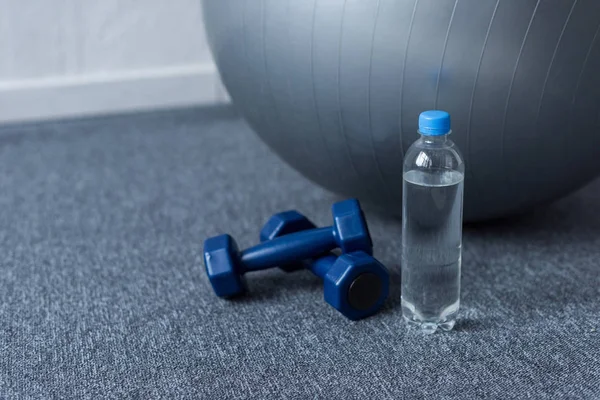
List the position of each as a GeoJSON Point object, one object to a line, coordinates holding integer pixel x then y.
{"type": "Point", "coordinates": [433, 183]}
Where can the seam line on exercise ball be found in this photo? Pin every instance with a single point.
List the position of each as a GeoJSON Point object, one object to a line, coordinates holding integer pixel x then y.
{"type": "Point", "coordinates": [439, 77]}
{"type": "Point", "coordinates": [386, 187]}
{"type": "Point", "coordinates": [339, 99]}
{"type": "Point", "coordinates": [404, 62]}
{"type": "Point", "coordinates": [579, 79]}
{"type": "Point", "coordinates": [510, 88]}
{"type": "Point", "coordinates": [471, 171]}
{"type": "Point", "coordinates": [332, 165]}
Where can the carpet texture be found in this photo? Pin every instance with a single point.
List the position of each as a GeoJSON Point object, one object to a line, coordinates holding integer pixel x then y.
{"type": "Point", "coordinates": [103, 292]}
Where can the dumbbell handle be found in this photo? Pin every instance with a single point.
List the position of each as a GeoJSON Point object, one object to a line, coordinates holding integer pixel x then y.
{"type": "Point", "coordinates": [292, 247]}
{"type": "Point", "coordinates": [321, 265]}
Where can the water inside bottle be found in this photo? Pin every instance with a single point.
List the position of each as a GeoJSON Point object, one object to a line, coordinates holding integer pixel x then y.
{"type": "Point", "coordinates": [431, 247]}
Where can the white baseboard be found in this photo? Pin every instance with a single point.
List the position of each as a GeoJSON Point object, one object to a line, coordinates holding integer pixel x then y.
{"type": "Point", "coordinates": [73, 96]}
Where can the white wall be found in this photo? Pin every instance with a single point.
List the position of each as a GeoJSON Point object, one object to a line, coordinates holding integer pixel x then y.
{"type": "Point", "coordinates": [63, 58]}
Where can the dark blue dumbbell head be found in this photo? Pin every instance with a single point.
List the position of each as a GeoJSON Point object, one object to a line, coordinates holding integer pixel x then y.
{"type": "Point", "coordinates": [282, 224]}
{"type": "Point", "coordinates": [350, 227]}
{"type": "Point", "coordinates": [356, 284]}
{"type": "Point", "coordinates": [222, 266]}
{"type": "Point", "coordinates": [221, 254]}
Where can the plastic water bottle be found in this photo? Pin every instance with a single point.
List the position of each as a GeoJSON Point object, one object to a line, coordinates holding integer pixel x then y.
{"type": "Point", "coordinates": [432, 226]}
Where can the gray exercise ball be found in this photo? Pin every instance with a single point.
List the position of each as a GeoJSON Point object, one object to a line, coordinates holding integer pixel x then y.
{"type": "Point", "coordinates": [335, 88]}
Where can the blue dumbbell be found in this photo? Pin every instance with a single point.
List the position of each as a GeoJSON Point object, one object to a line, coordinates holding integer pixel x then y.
{"type": "Point", "coordinates": [355, 284]}
{"type": "Point", "coordinates": [226, 265]}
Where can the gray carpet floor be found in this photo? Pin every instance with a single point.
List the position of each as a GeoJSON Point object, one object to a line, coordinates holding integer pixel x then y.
{"type": "Point", "coordinates": [103, 292]}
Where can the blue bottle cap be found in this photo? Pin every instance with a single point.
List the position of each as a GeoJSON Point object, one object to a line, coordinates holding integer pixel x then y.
{"type": "Point", "coordinates": [434, 123]}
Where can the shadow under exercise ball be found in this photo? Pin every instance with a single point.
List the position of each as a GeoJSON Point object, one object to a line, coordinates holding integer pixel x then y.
{"type": "Point", "coordinates": [335, 87]}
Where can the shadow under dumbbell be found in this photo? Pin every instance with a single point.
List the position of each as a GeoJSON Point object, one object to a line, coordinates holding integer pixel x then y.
{"type": "Point", "coordinates": [275, 284]}
{"type": "Point", "coordinates": [393, 304]}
